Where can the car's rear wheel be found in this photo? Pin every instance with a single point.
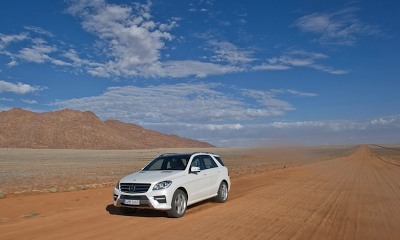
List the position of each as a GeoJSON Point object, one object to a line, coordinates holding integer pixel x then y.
{"type": "Point", "coordinates": [222, 193]}
{"type": "Point", "coordinates": [127, 211]}
{"type": "Point", "coordinates": [178, 205]}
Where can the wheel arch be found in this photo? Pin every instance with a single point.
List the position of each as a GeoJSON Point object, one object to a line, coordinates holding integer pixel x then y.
{"type": "Point", "coordinates": [226, 182]}
{"type": "Point", "coordinates": [184, 191]}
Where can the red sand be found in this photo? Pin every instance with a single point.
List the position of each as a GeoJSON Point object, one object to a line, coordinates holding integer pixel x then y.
{"type": "Point", "coordinates": [354, 197]}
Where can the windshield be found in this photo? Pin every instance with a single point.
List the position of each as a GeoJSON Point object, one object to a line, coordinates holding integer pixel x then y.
{"type": "Point", "coordinates": [176, 162]}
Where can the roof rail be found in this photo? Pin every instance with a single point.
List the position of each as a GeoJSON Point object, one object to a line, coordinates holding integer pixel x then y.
{"type": "Point", "coordinates": [167, 154]}
{"type": "Point", "coordinates": [204, 152]}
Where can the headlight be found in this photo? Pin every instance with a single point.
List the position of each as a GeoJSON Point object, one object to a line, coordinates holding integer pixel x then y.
{"type": "Point", "coordinates": [162, 185]}
{"type": "Point", "coordinates": [117, 187]}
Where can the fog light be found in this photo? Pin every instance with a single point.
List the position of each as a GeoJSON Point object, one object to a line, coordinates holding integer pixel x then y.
{"type": "Point", "coordinates": [160, 199]}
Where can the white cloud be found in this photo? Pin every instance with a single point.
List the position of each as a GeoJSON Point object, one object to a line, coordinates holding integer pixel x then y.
{"type": "Point", "coordinates": [124, 29]}
{"type": "Point", "coordinates": [303, 94]}
{"type": "Point", "coordinates": [328, 132]}
{"type": "Point", "coordinates": [323, 125]}
{"type": "Point", "coordinates": [7, 99]}
{"type": "Point", "coordinates": [199, 69]}
{"type": "Point", "coordinates": [207, 127]}
{"type": "Point", "coordinates": [213, 127]}
{"type": "Point", "coordinates": [227, 52]}
{"type": "Point", "coordinates": [60, 62]}
{"type": "Point", "coordinates": [268, 99]}
{"type": "Point", "coordinates": [7, 39]}
{"type": "Point", "coordinates": [388, 121]}
{"type": "Point", "coordinates": [78, 62]}
{"type": "Point", "coordinates": [338, 28]}
{"type": "Point", "coordinates": [29, 101]}
{"type": "Point", "coordinates": [39, 30]}
{"type": "Point", "coordinates": [134, 43]}
{"type": "Point", "coordinates": [18, 88]}
{"type": "Point", "coordinates": [298, 58]}
{"type": "Point", "coordinates": [98, 72]}
{"type": "Point", "coordinates": [12, 63]}
{"type": "Point", "coordinates": [169, 26]}
{"type": "Point", "coordinates": [271, 67]}
{"type": "Point", "coordinates": [329, 69]}
{"type": "Point", "coordinates": [181, 103]}
{"type": "Point", "coordinates": [131, 45]}
{"type": "Point", "coordinates": [38, 53]}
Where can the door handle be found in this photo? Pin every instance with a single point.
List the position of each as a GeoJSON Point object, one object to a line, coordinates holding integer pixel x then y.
{"type": "Point", "coordinates": [205, 174]}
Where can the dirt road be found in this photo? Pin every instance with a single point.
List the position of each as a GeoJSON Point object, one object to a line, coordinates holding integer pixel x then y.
{"type": "Point", "coordinates": [356, 197]}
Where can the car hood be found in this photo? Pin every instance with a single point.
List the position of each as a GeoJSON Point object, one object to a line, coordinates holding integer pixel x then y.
{"type": "Point", "coordinates": [152, 176]}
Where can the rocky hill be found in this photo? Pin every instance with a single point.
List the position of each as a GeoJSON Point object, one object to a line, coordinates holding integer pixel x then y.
{"type": "Point", "coordinates": [70, 129]}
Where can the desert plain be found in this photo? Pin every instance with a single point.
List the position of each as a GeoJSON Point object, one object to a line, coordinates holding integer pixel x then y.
{"type": "Point", "coordinates": [293, 192]}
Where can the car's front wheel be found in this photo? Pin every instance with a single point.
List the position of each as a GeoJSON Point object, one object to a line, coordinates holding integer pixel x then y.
{"type": "Point", "coordinates": [222, 193]}
{"type": "Point", "coordinates": [178, 205]}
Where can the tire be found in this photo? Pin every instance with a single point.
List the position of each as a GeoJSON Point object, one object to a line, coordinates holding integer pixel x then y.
{"type": "Point", "coordinates": [127, 211]}
{"type": "Point", "coordinates": [178, 205]}
{"type": "Point", "coordinates": [222, 193]}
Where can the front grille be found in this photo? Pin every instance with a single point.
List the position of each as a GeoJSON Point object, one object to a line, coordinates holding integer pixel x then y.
{"type": "Point", "coordinates": [136, 206]}
{"type": "Point", "coordinates": [133, 197]}
{"type": "Point", "coordinates": [134, 187]}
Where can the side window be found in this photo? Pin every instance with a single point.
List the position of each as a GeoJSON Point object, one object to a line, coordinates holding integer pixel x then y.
{"type": "Point", "coordinates": [196, 162]}
{"type": "Point", "coordinates": [209, 162]}
{"type": "Point", "coordinates": [219, 160]}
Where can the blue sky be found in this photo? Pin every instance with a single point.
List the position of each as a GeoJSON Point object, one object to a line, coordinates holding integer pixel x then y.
{"type": "Point", "coordinates": [232, 73]}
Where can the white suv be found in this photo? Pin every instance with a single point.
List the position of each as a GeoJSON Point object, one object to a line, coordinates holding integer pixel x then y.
{"type": "Point", "coordinates": [173, 181]}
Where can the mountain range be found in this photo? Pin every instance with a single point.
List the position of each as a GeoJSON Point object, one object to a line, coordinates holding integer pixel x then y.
{"type": "Point", "coordinates": [71, 129]}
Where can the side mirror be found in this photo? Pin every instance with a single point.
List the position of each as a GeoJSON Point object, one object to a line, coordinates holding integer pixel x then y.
{"type": "Point", "coordinates": [194, 169]}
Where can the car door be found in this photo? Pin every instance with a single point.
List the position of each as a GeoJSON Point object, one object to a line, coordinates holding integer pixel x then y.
{"type": "Point", "coordinates": [198, 183]}
{"type": "Point", "coordinates": [212, 170]}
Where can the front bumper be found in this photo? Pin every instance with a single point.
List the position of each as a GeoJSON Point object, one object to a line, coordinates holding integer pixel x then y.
{"type": "Point", "coordinates": [158, 200]}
